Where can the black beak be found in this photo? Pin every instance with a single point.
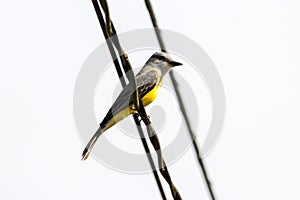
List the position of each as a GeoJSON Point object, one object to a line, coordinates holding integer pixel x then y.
{"type": "Point", "coordinates": [174, 63]}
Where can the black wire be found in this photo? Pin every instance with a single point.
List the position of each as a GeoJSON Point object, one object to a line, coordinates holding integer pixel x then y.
{"type": "Point", "coordinates": [121, 77]}
{"type": "Point", "coordinates": [180, 101]}
{"type": "Point", "coordinates": [139, 106]}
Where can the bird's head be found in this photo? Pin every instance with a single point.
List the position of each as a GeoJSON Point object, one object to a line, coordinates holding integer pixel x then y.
{"type": "Point", "coordinates": [162, 61]}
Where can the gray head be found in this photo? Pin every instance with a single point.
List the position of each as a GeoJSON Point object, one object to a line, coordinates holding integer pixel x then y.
{"type": "Point", "coordinates": [162, 61]}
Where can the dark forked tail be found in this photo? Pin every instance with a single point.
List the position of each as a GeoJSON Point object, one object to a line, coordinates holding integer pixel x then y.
{"type": "Point", "coordinates": [90, 145]}
{"type": "Point", "coordinates": [103, 127]}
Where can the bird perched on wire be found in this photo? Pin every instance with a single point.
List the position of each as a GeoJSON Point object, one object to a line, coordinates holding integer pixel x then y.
{"type": "Point", "coordinates": [148, 82]}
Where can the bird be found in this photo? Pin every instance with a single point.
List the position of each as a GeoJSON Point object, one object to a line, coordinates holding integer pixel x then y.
{"type": "Point", "coordinates": [148, 82]}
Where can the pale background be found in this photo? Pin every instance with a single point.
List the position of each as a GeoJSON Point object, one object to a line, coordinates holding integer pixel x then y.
{"type": "Point", "coordinates": [255, 46]}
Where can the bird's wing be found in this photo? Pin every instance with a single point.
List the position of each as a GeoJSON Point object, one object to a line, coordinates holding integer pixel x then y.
{"type": "Point", "coordinates": [145, 83]}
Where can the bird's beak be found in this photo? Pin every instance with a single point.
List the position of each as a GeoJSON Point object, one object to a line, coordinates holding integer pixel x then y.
{"type": "Point", "coordinates": [174, 63]}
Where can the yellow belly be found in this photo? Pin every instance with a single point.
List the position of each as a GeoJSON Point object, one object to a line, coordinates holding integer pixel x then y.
{"type": "Point", "coordinates": [147, 99]}
{"type": "Point", "coordinates": [151, 96]}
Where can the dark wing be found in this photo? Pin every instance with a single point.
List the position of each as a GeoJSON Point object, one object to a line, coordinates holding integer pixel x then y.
{"type": "Point", "coordinates": [145, 83]}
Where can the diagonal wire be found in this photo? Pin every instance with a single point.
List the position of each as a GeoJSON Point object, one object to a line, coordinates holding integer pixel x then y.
{"type": "Point", "coordinates": [139, 106]}
{"type": "Point", "coordinates": [122, 80]}
{"type": "Point", "coordinates": [180, 101]}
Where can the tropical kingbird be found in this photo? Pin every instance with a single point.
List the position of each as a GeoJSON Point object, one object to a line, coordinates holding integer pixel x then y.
{"type": "Point", "coordinates": [148, 82]}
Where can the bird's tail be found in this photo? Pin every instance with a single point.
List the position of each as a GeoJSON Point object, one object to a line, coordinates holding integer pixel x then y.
{"type": "Point", "coordinates": [89, 146]}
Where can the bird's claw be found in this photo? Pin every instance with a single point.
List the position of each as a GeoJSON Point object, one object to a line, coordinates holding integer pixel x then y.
{"type": "Point", "coordinates": [143, 118]}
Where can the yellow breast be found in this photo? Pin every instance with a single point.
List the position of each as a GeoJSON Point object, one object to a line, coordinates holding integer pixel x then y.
{"type": "Point", "coordinates": [151, 96]}
{"type": "Point", "coordinates": [147, 99]}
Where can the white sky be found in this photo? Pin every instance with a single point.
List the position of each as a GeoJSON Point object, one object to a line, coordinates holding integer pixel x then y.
{"type": "Point", "coordinates": [255, 46]}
